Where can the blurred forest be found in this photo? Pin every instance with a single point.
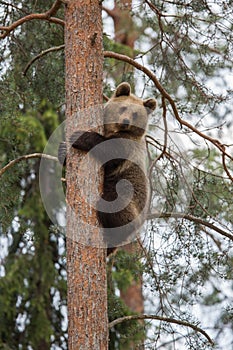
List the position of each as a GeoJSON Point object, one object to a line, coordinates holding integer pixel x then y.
{"type": "Point", "coordinates": [181, 269]}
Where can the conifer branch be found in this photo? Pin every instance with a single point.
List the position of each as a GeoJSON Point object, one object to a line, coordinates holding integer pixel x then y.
{"type": "Point", "coordinates": [41, 54]}
{"type": "Point", "coordinates": [39, 16]}
{"type": "Point", "coordinates": [109, 12]}
{"type": "Point", "coordinates": [191, 218]}
{"type": "Point", "coordinates": [225, 167]}
{"type": "Point", "coordinates": [162, 319]}
{"type": "Point", "coordinates": [26, 157]}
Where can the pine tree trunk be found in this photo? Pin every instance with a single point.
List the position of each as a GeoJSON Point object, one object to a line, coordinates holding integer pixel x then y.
{"type": "Point", "coordinates": [86, 262]}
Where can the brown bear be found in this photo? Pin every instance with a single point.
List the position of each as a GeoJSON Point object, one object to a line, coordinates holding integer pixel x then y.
{"type": "Point", "coordinates": [122, 154]}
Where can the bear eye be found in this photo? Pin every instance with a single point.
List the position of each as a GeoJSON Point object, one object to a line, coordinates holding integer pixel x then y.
{"type": "Point", "coordinates": [122, 110]}
{"type": "Point", "coordinates": [135, 115]}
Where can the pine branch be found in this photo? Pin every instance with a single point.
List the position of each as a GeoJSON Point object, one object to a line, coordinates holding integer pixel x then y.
{"type": "Point", "coordinates": [25, 157]}
{"type": "Point", "coordinates": [191, 218]}
{"type": "Point", "coordinates": [41, 54]}
{"type": "Point", "coordinates": [109, 12]}
{"type": "Point", "coordinates": [163, 319]}
{"type": "Point", "coordinates": [39, 16]}
{"type": "Point", "coordinates": [225, 167]}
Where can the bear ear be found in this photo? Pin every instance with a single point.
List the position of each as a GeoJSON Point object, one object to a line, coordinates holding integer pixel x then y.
{"type": "Point", "coordinates": [123, 89]}
{"type": "Point", "coordinates": [150, 105]}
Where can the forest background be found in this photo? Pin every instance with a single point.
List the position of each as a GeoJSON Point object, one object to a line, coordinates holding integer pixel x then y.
{"type": "Point", "coordinates": [181, 270]}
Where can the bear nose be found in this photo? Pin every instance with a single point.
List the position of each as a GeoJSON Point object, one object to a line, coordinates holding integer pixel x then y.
{"type": "Point", "coordinates": [126, 121]}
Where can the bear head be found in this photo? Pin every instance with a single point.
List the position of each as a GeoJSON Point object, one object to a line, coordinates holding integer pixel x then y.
{"type": "Point", "coordinates": [126, 115]}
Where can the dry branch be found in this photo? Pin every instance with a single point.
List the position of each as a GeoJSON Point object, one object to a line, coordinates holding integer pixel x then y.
{"type": "Point", "coordinates": [225, 167]}
{"type": "Point", "coordinates": [39, 16]}
{"type": "Point", "coordinates": [25, 157]}
{"type": "Point", "coordinates": [191, 218]}
{"type": "Point", "coordinates": [163, 319]}
{"type": "Point", "coordinates": [41, 54]}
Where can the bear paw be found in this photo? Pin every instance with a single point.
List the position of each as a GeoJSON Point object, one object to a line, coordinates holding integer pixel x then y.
{"type": "Point", "coordinates": [62, 150]}
{"type": "Point", "coordinates": [85, 140]}
{"type": "Point", "coordinates": [77, 139]}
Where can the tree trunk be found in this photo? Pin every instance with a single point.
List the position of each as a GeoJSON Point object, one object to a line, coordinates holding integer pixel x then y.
{"type": "Point", "coordinates": [86, 260]}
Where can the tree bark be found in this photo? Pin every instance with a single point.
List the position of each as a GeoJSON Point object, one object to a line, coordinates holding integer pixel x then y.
{"type": "Point", "coordinates": [86, 258]}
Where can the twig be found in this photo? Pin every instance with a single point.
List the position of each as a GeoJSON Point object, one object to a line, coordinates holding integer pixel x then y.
{"type": "Point", "coordinates": [150, 263]}
{"type": "Point", "coordinates": [39, 16]}
{"type": "Point", "coordinates": [190, 218]}
{"type": "Point", "coordinates": [225, 167]}
{"type": "Point", "coordinates": [163, 319]}
{"type": "Point", "coordinates": [165, 125]}
{"type": "Point", "coordinates": [105, 97]}
{"type": "Point", "coordinates": [41, 54]}
{"type": "Point", "coordinates": [165, 137]}
{"type": "Point", "coordinates": [25, 157]}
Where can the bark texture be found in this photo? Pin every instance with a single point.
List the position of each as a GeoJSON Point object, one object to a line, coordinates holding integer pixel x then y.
{"type": "Point", "coordinates": [86, 261]}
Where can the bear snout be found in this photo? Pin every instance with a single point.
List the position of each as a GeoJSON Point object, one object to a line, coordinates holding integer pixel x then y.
{"type": "Point", "coordinates": [126, 121]}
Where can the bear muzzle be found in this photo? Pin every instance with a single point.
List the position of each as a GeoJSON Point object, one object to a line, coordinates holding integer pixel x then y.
{"type": "Point", "coordinates": [125, 123]}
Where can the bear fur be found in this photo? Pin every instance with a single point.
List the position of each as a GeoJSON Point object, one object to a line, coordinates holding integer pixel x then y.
{"type": "Point", "coordinates": [122, 153]}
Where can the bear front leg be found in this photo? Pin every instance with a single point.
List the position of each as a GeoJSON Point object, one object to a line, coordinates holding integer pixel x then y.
{"type": "Point", "coordinates": [85, 140]}
{"type": "Point", "coordinates": [82, 140]}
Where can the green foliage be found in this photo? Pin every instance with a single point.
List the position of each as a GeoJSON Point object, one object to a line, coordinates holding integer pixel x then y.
{"type": "Point", "coordinates": [120, 71]}
{"type": "Point", "coordinates": [212, 188]}
{"type": "Point", "coordinates": [28, 315]}
{"type": "Point", "coordinates": [111, 45]}
{"type": "Point", "coordinates": [23, 135]}
{"type": "Point", "coordinates": [127, 268]}
{"type": "Point", "coordinates": [26, 92]}
{"type": "Point", "coordinates": [32, 282]}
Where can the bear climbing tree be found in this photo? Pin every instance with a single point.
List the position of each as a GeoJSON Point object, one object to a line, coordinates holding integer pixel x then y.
{"type": "Point", "coordinates": [121, 151]}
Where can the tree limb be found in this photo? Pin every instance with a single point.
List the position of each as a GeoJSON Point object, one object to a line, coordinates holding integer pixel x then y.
{"type": "Point", "coordinates": [109, 12]}
{"type": "Point", "coordinates": [163, 319]}
{"type": "Point", "coordinates": [41, 54]}
{"type": "Point", "coordinates": [39, 16]}
{"type": "Point", "coordinates": [26, 157]}
{"type": "Point", "coordinates": [191, 218]}
{"type": "Point", "coordinates": [225, 167]}
{"type": "Point", "coordinates": [165, 137]}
